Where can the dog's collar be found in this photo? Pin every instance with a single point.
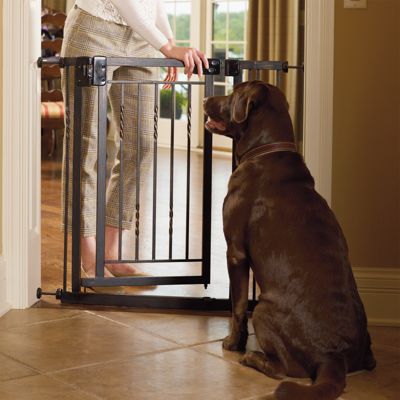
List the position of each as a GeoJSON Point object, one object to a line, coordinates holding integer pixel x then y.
{"type": "Point", "coordinates": [267, 149]}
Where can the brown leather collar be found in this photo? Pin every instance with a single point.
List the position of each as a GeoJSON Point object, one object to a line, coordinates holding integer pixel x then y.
{"type": "Point", "coordinates": [267, 149]}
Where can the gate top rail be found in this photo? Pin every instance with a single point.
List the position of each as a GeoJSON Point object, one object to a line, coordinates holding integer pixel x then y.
{"type": "Point", "coordinates": [214, 63]}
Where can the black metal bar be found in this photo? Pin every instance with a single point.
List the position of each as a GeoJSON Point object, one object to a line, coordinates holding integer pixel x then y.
{"type": "Point", "coordinates": [264, 65]}
{"type": "Point", "coordinates": [155, 140]}
{"type": "Point", "coordinates": [66, 177]}
{"type": "Point", "coordinates": [214, 64]}
{"type": "Point", "coordinates": [152, 302]}
{"type": "Point", "coordinates": [174, 260]}
{"type": "Point", "coordinates": [207, 184]}
{"type": "Point", "coordinates": [236, 80]}
{"type": "Point", "coordinates": [188, 169]}
{"type": "Point", "coordinates": [101, 180]}
{"type": "Point", "coordinates": [121, 168]}
{"type": "Point", "coordinates": [254, 287]}
{"type": "Point", "coordinates": [76, 188]}
{"type": "Point", "coordinates": [138, 165]}
{"type": "Point", "coordinates": [278, 78]}
{"type": "Point", "coordinates": [171, 174]}
{"type": "Point", "coordinates": [153, 82]}
{"type": "Point", "coordinates": [142, 281]}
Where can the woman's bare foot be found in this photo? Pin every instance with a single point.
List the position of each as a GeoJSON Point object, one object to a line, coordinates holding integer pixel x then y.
{"type": "Point", "coordinates": [111, 253]}
{"type": "Point", "coordinates": [88, 256]}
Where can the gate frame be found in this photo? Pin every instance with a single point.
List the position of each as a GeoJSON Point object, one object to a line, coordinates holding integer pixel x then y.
{"type": "Point", "coordinates": [92, 71]}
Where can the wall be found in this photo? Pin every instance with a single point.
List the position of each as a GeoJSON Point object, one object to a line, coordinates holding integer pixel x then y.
{"type": "Point", "coordinates": [366, 131]}
{"type": "Point", "coordinates": [1, 125]}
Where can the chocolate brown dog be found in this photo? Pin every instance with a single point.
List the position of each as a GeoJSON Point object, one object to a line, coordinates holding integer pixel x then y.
{"type": "Point", "coordinates": [310, 321]}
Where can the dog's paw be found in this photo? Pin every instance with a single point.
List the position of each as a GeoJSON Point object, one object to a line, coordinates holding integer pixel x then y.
{"type": "Point", "coordinates": [246, 360]}
{"type": "Point", "coordinates": [233, 344]}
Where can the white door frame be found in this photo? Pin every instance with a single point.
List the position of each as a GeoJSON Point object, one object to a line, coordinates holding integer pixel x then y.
{"type": "Point", "coordinates": [21, 134]}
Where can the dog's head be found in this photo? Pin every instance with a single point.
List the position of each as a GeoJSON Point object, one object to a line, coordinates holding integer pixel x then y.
{"type": "Point", "coordinates": [254, 101]}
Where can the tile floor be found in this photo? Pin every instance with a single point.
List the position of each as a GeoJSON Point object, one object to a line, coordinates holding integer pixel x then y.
{"type": "Point", "coordinates": [68, 353]}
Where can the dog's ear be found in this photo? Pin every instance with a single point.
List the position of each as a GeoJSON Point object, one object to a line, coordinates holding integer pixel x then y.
{"type": "Point", "coordinates": [244, 101]}
{"type": "Point", "coordinates": [256, 93]}
{"type": "Point", "coordinates": [241, 106]}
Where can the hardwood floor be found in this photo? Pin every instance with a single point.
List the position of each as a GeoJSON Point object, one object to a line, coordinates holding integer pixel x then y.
{"type": "Point", "coordinates": [53, 238]}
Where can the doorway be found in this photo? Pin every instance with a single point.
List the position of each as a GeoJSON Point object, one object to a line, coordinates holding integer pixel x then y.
{"type": "Point", "coordinates": [22, 281]}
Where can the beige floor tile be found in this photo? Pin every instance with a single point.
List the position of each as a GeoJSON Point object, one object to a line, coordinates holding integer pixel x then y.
{"type": "Point", "coordinates": [182, 329]}
{"type": "Point", "coordinates": [392, 391]}
{"type": "Point", "coordinates": [373, 385]}
{"type": "Point", "coordinates": [386, 355]}
{"type": "Point", "coordinates": [388, 336]}
{"type": "Point", "coordinates": [15, 318]}
{"type": "Point", "coordinates": [179, 374]}
{"type": "Point", "coordinates": [77, 341]}
{"type": "Point", "coordinates": [215, 348]}
{"type": "Point", "coordinates": [41, 388]}
{"type": "Point", "coordinates": [11, 369]}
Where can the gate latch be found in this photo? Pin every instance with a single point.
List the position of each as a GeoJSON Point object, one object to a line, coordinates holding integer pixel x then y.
{"type": "Point", "coordinates": [91, 71]}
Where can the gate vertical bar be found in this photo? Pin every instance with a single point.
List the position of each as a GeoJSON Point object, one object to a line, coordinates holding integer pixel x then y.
{"type": "Point", "coordinates": [171, 177]}
{"type": "Point", "coordinates": [207, 184]}
{"type": "Point", "coordinates": [155, 140]}
{"type": "Point", "coordinates": [101, 179]}
{"type": "Point", "coordinates": [189, 146]}
{"type": "Point", "coordinates": [121, 168]}
{"type": "Point", "coordinates": [67, 173]}
{"type": "Point", "coordinates": [236, 80]}
{"type": "Point", "coordinates": [138, 165]}
{"type": "Point", "coordinates": [76, 185]}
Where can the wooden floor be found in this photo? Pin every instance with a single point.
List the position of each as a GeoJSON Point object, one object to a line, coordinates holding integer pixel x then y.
{"type": "Point", "coordinates": [53, 240]}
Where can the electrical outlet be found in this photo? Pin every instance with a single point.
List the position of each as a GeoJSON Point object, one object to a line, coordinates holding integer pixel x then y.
{"type": "Point", "coordinates": [355, 3]}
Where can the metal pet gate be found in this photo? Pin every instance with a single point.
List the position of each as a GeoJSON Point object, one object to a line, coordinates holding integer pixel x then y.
{"type": "Point", "coordinates": [92, 72]}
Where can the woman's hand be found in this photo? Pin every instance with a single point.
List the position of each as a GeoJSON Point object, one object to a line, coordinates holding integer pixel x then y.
{"type": "Point", "coordinates": [189, 55]}
{"type": "Point", "coordinates": [171, 76]}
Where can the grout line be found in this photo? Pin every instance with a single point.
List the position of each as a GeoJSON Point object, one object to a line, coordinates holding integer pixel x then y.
{"type": "Point", "coordinates": [39, 323]}
{"type": "Point", "coordinates": [73, 386]}
{"type": "Point", "coordinates": [147, 331]}
{"type": "Point", "coordinates": [114, 360]}
{"type": "Point", "coordinates": [38, 371]}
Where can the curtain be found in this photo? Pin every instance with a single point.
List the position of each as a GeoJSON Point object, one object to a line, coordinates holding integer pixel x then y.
{"type": "Point", "coordinates": [275, 32]}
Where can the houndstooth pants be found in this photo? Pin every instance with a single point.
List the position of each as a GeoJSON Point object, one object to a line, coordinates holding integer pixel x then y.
{"type": "Point", "coordinates": [86, 35]}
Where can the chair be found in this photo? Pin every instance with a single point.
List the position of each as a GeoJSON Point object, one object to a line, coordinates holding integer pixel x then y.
{"type": "Point", "coordinates": [52, 104]}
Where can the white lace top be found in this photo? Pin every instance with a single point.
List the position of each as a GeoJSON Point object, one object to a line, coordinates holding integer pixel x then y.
{"type": "Point", "coordinates": [148, 18]}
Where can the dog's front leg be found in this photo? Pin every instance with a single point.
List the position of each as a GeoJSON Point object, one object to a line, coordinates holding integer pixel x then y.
{"type": "Point", "coordinates": [238, 269]}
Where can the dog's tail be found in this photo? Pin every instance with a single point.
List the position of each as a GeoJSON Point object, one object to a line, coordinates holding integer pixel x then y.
{"type": "Point", "coordinates": [328, 385]}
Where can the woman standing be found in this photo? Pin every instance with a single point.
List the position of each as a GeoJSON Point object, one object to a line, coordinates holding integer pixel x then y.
{"type": "Point", "coordinates": [118, 28]}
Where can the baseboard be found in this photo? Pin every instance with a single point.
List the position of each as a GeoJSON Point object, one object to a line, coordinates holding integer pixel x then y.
{"type": "Point", "coordinates": [4, 306]}
{"type": "Point", "coordinates": [380, 291]}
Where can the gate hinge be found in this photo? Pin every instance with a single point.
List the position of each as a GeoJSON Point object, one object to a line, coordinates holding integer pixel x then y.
{"type": "Point", "coordinates": [232, 67]}
{"type": "Point", "coordinates": [91, 71]}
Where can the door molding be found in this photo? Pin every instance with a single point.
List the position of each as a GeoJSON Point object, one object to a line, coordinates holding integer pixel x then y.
{"type": "Point", "coordinates": [21, 133]}
{"type": "Point", "coordinates": [21, 151]}
{"type": "Point", "coordinates": [318, 93]}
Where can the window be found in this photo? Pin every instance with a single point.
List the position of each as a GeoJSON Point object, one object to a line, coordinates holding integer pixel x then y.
{"type": "Point", "coordinates": [226, 38]}
{"type": "Point", "coordinates": [186, 33]}
{"type": "Point", "coordinates": [228, 35]}
{"type": "Point", "coordinates": [221, 27]}
{"type": "Point", "coordinates": [179, 12]}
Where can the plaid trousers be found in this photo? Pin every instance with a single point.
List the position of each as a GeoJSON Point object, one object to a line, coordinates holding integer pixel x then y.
{"type": "Point", "coordinates": [86, 35]}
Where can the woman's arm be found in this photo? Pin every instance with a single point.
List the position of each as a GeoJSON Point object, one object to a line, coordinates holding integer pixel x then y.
{"type": "Point", "coordinates": [132, 13]}
{"type": "Point", "coordinates": [162, 20]}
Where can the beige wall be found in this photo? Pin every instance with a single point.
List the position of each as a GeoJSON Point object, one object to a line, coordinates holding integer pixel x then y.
{"type": "Point", "coordinates": [1, 124]}
{"type": "Point", "coordinates": [366, 131]}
